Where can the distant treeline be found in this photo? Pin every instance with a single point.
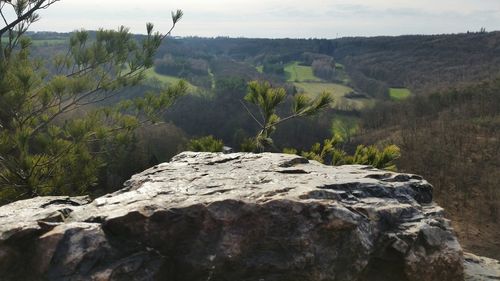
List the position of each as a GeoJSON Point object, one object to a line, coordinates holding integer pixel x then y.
{"type": "Point", "coordinates": [421, 63]}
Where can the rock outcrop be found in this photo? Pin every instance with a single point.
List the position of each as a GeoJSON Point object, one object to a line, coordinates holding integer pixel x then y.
{"type": "Point", "coordinates": [206, 216]}
{"type": "Point", "coordinates": [481, 268]}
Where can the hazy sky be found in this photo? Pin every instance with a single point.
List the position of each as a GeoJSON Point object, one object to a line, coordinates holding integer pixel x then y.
{"type": "Point", "coordinates": [278, 18]}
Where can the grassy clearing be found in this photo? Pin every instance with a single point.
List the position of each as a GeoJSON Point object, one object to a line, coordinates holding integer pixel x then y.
{"type": "Point", "coordinates": [44, 42]}
{"type": "Point", "coordinates": [317, 88]}
{"type": "Point", "coordinates": [338, 92]}
{"type": "Point", "coordinates": [151, 74]}
{"type": "Point", "coordinates": [398, 94]}
{"type": "Point", "coordinates": [299, 73]}
{"type": "Point", "coordinates": [260, 68]}
{"type": "Point", "coordinates": [305, 81]}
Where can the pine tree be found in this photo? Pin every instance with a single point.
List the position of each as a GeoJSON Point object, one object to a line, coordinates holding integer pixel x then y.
{"type": "Point", "coordinates": [42, 150]}
{"type": "Point", "coordinates": [206, 144]}
{"type": "Point", "coordinates": [267, 99]}
{"type": "Point", "coordinates": [331, 153]}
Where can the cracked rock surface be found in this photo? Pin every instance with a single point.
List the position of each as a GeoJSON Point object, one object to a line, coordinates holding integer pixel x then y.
{"type": "Point", "coordinates": [262, 217]}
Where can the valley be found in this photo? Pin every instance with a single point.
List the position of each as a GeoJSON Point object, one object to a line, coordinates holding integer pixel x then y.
{"type": "Point", "coordinates": [450, 88]}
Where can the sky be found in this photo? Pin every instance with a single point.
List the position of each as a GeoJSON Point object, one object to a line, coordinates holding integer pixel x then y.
{"type": "Point", "coordinates": [277, 18]}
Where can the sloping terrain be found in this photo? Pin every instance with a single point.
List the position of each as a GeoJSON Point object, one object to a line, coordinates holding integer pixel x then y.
{"type": "Point", "coordinates": [421, 63]}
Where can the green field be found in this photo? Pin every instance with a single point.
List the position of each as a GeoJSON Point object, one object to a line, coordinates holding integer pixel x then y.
{"type": "Point", "coordinates": [337, 91]}
{"type": "Point", "coordinates": [44, 42]}
{"type": "Point", "coordinates": [150, 73]}
{"type": "Point", "coordinates": [305, 81]}
{"type": "Point", "coordinates": [260, 68]}
{"type": "Point", "coordinates": [398, 94]}
{"type": "Point", "coordinates": [299, 73]}
{"type": "Point", "coordinates": [317, 88]}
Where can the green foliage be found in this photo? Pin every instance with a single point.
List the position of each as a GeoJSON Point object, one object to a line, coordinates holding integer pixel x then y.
{"type": "Point", "coordinates": [330, 153]}
{"type": "Point", "coordinates": [344, 127]}
{"type": "Point", "coordinates": [273, 68]}
{"type": "Point", "coordinates": [51, 141]}
{"type": "Point", "coordinates": [371, 155]}
{"type": "Point", "coordinates": [398, 94]}
{"type": "Point", "coordinates": [290, 150]}
{"type": "Point", "coordinates": [267, 99]}
{"type": "Point", "coordinates": [300, 73]}
{"type": "Point", "coordinates": [205, 144]}
{"type": "Point", "coordinates": [248, 145]}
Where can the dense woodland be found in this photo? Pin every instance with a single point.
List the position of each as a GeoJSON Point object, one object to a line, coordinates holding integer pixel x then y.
{"type": "Point", "coordinates": [452, 139]}
{"type": "Point", "coordinates": [447, 130]}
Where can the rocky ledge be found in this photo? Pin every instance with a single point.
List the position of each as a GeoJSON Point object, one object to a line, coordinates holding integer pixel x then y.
{"type": "Point", "coordinates": [262, 217]}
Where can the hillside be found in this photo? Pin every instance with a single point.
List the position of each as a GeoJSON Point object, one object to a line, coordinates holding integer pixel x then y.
{"type": "Point", "coordinates": [290, 152]}
{"type": "Point", "coordinates": [453, 139]}
{"type": "Point", "coordinates": [423, 93]}
{"type": "Point", "coordinates": [372, 65]}
{"type": "Point", "coordinates": [421, 63]}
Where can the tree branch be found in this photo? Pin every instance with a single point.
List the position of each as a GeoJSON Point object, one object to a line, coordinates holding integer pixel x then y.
{"type": "Point", "coordinates": [254, 118]}
{"type": "Point", "coordinates": [3, 17]}
{"type": "Point", "coordinates": [24, 16]}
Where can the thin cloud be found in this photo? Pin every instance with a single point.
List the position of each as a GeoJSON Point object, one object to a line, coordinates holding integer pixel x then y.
{"type": "Point", "coordinates": [276, 18]}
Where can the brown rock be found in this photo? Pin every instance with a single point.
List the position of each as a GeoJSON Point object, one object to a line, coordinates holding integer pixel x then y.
{"type": "Point", "coordinates": [206, 216]}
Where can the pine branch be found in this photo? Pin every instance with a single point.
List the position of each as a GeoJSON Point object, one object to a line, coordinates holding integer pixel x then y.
{"type": "Point", "coordinates": [39, 5]}
{"type": "Point", "coordinates": [253, 116]}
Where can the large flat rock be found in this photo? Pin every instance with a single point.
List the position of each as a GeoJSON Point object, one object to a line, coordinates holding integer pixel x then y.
{"type": "Point", "coordinates": [207, 216]}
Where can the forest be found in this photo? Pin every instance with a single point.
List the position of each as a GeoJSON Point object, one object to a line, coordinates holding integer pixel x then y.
{"type": "Point", "coordinates": [425, 104]}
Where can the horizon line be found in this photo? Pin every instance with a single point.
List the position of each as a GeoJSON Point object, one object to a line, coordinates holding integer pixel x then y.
{"type": "Point", "coordinates": [282, 38]}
